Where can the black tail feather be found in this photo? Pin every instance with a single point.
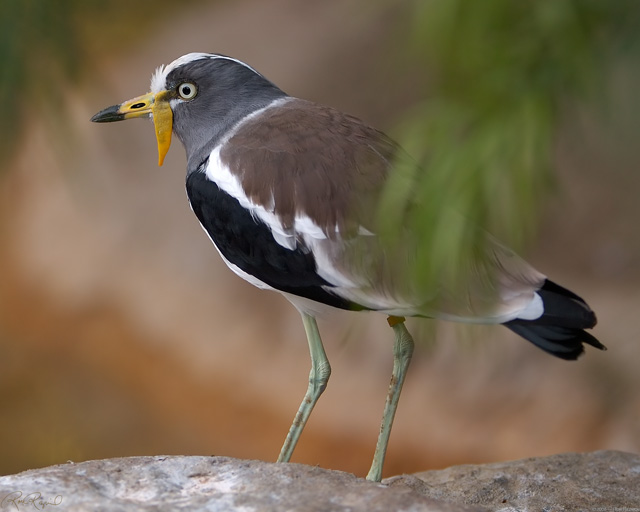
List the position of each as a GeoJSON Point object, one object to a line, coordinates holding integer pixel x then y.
{"type": "Point", "coordinates": [560, 329]}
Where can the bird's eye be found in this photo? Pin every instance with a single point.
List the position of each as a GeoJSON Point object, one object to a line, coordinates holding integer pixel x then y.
{"type": "Point", "coordinates": [187, 91]}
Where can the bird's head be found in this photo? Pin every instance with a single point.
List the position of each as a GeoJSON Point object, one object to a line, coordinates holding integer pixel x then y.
{"type": "Point", "coordinates": [199, 97]}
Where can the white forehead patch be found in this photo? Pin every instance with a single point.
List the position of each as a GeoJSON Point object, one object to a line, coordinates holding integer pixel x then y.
{"type": "Point", "coordinates": [159, 77]}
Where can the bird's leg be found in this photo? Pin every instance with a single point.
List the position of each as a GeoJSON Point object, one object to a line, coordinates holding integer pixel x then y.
{"type": "Point", "coordinates": [402, 352]}
{"type": "Point", "coordinates": [318, 378]}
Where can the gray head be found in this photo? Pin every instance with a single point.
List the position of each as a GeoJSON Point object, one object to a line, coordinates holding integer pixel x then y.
{"type": "Point", "coordinates": [199, 96]}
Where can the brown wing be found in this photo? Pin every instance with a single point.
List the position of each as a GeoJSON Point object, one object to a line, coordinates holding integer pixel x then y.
{"type": "Point", "coordinates": [304, 158]}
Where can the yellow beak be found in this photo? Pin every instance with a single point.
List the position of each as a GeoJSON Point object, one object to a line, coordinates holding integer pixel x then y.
{"type": "Point", "coordinates": [151, 105]}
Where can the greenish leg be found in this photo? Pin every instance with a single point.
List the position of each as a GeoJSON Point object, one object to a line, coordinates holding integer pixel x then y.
{"type": "Point", "coordinates": [402, 352]}
{"type": "Point", "coordinates": [318, 378]}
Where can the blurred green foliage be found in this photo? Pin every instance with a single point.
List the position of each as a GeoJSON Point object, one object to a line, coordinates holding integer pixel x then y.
{"type": "Point", "coordinates": [503, 75]}
{"type": "Point", "coordinates": [47, 44]}
{"type": "Point", "coordinates": [37, 47]}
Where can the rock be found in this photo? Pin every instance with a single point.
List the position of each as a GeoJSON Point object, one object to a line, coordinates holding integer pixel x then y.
{"type": "Point", "coordinates": [604, 480]}
{"type": "Point", "coordinates": [204, 484]}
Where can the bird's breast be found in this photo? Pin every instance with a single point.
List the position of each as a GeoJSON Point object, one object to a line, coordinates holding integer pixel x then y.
{"type": "Point", "coordinates": [249, 246]}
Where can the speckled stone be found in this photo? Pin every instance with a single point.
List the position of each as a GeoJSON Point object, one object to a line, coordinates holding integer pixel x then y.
{"type": "Point", "coordinates": [205, 484]}
{"type": "Point", "coordinates": [603, 481]}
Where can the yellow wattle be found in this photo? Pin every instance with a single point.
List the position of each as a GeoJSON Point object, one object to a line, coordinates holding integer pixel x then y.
{"type": "Point", "coordinates": [163, 122]}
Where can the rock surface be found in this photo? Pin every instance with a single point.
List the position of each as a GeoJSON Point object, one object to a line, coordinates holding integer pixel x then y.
{"type": "Point", "coordinates": [608, 481]}
{"type": "Point", "coordinates": [605, 480]}
{"type": "Point", "coordinates": [204, 484]}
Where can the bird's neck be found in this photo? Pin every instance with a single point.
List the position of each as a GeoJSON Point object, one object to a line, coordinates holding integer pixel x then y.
{"type": "Point", "coordinates": [226, 118]}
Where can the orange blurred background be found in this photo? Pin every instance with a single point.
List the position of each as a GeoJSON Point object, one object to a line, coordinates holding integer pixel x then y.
{"type": "Point", "coordinates": [123, 333]}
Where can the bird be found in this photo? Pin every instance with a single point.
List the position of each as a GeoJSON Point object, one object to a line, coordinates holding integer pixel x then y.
{"type": "Point", "coordinates": [287, 190]}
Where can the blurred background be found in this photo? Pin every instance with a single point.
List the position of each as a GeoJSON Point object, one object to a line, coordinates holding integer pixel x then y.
{"type": "Point", "coordinates": [122, 332]}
